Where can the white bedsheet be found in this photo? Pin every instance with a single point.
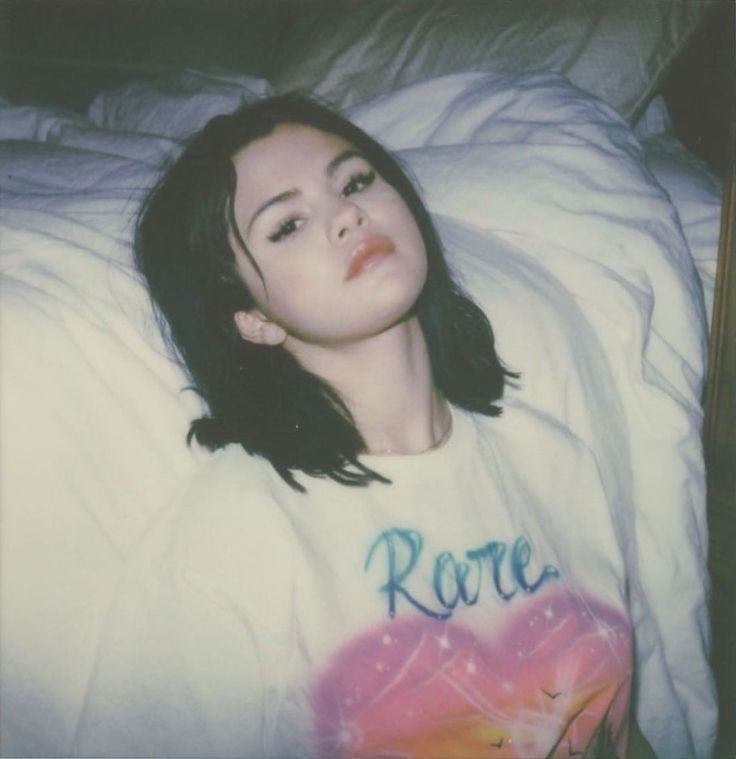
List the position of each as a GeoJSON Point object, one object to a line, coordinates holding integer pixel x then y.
{"type": "Point", "coordinates": [553, 222]}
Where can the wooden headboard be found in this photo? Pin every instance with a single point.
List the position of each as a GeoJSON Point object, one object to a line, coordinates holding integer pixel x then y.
{"type": "Point", "coordinates": [701, 96]}
{"type": "Point", "coordinates": [720, 448]}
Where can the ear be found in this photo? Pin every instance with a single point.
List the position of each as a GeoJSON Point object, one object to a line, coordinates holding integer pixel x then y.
{"type": "Point", "coordinates": [256, 328]}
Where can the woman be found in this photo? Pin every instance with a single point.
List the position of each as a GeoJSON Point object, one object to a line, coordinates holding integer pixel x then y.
{"type": "Point", "coordinates": [237, 270]}
{"type": "Point", "coordinates": [454, 604]}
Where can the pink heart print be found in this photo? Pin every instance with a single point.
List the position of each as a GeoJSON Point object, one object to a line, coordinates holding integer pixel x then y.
{"type": "Point", "coordinates": [552, 680]}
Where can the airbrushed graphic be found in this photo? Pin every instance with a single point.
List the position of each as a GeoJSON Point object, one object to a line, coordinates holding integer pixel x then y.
{"type": "Point", "coordinates": [552, 681]}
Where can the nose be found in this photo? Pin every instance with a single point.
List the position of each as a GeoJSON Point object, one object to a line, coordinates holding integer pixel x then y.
{"type": "Point", "coordinates": [347, 217]}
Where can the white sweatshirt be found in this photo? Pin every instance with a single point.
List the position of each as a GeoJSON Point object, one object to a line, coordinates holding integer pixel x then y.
{"type": "Point", "coordinates": [473, 608]}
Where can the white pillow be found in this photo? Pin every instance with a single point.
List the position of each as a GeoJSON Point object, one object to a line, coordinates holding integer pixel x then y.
{"type": "Point", "coordinates": [655, 120]}
{"type": "Point", "coordinates": [175, 106]}
{"type": "Point", "coordinates": [618, 51]}
{"type": "Point", "coordinates": [27, 122]}
{"type": "Point", "coordinates": [696, 194]}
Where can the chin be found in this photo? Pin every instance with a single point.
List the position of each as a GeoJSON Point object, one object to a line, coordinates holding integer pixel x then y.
{"type": "Point", "coordinates": [402, 315]}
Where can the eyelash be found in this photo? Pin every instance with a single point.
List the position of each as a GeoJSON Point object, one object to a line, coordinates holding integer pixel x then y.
{"type": "Point", "coordinates": [357, 182]}
{"type": "Point", "coordinates": [362, 178]}
{"type": "Point", "coordinates": [286, 228]}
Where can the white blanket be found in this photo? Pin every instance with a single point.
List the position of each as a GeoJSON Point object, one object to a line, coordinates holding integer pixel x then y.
{"type": "Point", "coordinates": [551, 219]}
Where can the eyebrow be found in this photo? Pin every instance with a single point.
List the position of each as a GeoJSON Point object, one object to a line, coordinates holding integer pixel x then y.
{"type": "Point", "coordinates": [280, 198]}
{"type": "Point", "coordinates": [331, 168]}
{"type": "Point", "coordinates": [346, 155]}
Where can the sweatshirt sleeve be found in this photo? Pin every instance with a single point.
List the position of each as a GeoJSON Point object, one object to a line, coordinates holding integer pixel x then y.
{"type": "Point", "coordinates": [196, 643]}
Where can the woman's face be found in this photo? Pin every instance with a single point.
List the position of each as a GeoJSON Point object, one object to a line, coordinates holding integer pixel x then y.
{"type": "Point", "coordinates": [341, 256]}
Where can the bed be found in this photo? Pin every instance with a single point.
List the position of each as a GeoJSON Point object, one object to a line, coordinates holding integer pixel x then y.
{"type": "Point", "coordinates": [542, 137]}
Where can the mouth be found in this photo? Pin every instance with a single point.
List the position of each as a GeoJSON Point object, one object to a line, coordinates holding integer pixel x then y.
{"type": "Point", "coordinates": [367, 254]}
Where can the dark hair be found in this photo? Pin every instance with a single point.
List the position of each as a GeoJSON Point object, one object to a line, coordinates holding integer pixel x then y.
{"type": "Point", "coordinates": [260, 396]}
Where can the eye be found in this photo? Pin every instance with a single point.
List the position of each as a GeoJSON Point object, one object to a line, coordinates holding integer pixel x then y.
{"type": "Point", "coordinates": [357, 182]}
{"type": "Point", "coordinates": [286, 228]}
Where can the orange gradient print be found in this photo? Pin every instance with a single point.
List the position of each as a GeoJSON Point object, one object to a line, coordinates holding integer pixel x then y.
{"type": "Point", "coordinates": [552, 682]}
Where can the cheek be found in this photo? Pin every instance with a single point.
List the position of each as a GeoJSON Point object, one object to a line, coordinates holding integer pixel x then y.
{"type": "Point", "coordinates": [291, 293]}
{"type": "Point", "coordinates": [249, 276]}
{"type": "Point", "coordinates": [414, 241]}
{"type": "Point", "coordinates": [272, 290]}
{"type": "Point", "coordinates": [402, 219]}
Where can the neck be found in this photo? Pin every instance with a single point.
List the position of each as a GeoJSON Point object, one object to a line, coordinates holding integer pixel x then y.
{"type": "Point", "coordinates": [386, 382]}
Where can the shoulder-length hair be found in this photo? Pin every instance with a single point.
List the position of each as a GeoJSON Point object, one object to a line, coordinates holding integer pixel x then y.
{"type": "Point", "coordinates": [260, 396]}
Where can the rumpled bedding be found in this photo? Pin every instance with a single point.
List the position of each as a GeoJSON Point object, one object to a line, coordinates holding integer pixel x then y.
{"type": "Point", "coordinates": [553, 219]}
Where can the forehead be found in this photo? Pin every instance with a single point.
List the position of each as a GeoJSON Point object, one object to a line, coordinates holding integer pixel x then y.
{"type": "Point", "coordinates": [286, 152]}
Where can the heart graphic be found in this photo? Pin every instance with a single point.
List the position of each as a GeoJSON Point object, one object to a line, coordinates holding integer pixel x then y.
{"type": "Point", "coordinates": [552, 680]}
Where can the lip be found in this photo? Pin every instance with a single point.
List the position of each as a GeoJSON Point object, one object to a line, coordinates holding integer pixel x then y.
{"type": "Point", "coordinates": [367, 253]}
